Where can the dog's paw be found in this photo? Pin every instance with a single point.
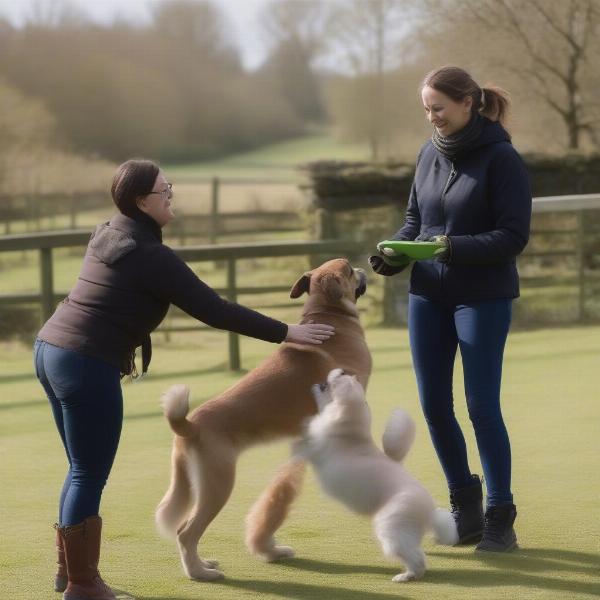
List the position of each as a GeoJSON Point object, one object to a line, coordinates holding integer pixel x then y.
{"type": "Point", "coordinates": [210, 563]}
{"type": "Point", "coordinates": [278, 553]}
{"type": "Point", "coordinates": [206, 574]}
{"type": "Point", "coordinates": [404, 577]}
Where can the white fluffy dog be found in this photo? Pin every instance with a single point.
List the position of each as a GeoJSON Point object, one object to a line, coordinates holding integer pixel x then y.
{"type": "Point", "coordinates": [353, 470]}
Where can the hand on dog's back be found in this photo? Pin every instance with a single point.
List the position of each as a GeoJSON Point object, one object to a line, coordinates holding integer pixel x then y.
{"type": "Point", "coordinates": [309, 333]}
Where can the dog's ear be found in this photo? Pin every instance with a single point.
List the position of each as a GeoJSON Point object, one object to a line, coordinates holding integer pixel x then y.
{"type": "Point", "coordinates": [331, 284]}
{"type": "Point", "coordinates": [301, 286]}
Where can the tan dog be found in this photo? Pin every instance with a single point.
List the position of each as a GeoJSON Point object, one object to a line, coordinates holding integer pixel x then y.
{"type": "Point", "coordinates": [270, 402]}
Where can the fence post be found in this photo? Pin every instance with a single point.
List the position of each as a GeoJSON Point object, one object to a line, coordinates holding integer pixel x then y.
{"type": "Point", "coordinates": [581, 265]}
{"type": "Point", "coordinates": [46, 283]}
{"type": "Point", "coordinates": [214, 214]}
{"type": "Point", "coordinates": [234, 338]}
{"type": "Point", "coordinates": [325, 230]}
{"type": "Point", "coordinates": [73, 212]}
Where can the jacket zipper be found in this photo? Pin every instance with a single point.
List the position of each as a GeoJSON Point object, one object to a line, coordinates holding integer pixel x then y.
{"type": "Point", "coordinates": [449, 181]}
{"type": "Point", "coordinates": [448, 184]}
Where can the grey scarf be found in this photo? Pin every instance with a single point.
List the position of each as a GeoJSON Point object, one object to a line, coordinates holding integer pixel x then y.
{"type": "Point", "coordinates": [458, 143]}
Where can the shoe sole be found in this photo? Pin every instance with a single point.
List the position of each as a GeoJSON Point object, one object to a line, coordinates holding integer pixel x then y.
{"type": "Point", "coordinates": [474, 538]}
{"type": "Point", "coordinates": [513, 546]}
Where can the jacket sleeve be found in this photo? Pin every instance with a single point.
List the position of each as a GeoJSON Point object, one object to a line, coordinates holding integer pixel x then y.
{"type": "Point", "coordinates": [412, 218]}
{"type": "Point", "coordinates": [509, 195]}
{"type": "Point", "coordinates": [171, 279]}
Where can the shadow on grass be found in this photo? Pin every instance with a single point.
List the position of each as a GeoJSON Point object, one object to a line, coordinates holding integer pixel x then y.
{"type": "Point", "coordinates": [321, 566]}
{"type": "Point", "coordinates": [534, 559]}
{"type": "Point", "coordinates": [304, 591]}
{"type": "Point", "coordinates": [523, 567]}
{"type": "Point", "coordinates": [146, 415]}
{"type": "Point", "coordinates": [21, 404]}
{"type": "Point", "coordinates": [30, 375]}
{"type": "Point", "coordinates": [514, 569]}
{"type": "Point", "coordinates": [299, 591]}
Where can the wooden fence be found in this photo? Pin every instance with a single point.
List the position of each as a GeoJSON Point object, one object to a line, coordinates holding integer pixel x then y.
{"type": "Point", "coordinates": [230, 253]}
{"type": "Point", "coordinates": [44, 243]}
{"type": "Point", "coordinates": [33, 208]}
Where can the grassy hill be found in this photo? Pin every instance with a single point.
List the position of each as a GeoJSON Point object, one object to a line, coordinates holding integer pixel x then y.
{"type": "Point", "coordinates": [275, 161]}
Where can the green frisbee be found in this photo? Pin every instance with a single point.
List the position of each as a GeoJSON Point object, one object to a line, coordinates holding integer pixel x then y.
{"type": "Point", "coordinates": [397, 249]}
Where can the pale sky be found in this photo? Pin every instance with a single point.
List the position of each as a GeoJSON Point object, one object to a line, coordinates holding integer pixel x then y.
{"type": "Point", "coordinates": [243, 15]}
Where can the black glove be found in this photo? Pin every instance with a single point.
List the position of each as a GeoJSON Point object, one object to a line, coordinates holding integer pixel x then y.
{"type": "Point", "coordinates": [382, 268]}
{"type": "Point", "coordinates": [444, 254]}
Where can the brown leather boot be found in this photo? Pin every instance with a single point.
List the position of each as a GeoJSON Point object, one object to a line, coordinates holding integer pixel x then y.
{"type": "Point", "coordinates": [82, 552]}
{"type": "Point", "coordinates": [60, 579]}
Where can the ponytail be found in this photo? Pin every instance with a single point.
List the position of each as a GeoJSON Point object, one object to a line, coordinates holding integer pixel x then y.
{"type": "Point", "coordinates": [494, 103]}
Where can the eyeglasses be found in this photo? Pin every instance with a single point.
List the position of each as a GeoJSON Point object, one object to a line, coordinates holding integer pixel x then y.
{"type": "Point", "coordinates": [168, 191]}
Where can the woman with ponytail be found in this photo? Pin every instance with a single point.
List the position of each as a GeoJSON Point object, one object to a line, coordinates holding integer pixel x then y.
{"type": "Point", "coordinates": [471, 192]}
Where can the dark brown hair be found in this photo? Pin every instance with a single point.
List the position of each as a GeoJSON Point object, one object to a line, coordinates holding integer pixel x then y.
{"type": "Point", "coordinates": [491, 101]}
{"type": "Point", "coordinates": [133, 179]}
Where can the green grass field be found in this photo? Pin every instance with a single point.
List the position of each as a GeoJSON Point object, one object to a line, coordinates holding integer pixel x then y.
{"type": "Point", "coordinates": [273, 161]}
{"type": "Point", "coordinates": [551, 407]}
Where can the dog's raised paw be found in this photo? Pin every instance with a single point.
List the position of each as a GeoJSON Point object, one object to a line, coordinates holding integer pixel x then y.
{"type": "Point", "coordinates": [279, 553]}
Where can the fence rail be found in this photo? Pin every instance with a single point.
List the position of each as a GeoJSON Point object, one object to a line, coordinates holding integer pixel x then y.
{"type": "Point", "coordinates": [34, 207]}
{"type": "Point", "coordinates": [231, 253]}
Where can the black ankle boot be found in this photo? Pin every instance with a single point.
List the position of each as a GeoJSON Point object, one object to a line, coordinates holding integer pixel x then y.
{"type": "Point", "coordinates": [467, 510]}
{"type": "Point", "coordinates": [498, 532]}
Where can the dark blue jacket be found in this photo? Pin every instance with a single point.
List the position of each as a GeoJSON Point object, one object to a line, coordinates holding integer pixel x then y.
{"type": "Point", "coordinates": [482, 202]}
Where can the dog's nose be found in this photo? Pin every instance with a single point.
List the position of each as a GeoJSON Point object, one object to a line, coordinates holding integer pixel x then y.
{"type": "Point", "coordinates": [362, 283]}
{"type": "Point", "coordinates": [323, 386]}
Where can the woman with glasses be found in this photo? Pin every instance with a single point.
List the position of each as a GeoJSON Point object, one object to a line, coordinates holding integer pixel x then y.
{"type": "Point", "coordinates": [127, 282]}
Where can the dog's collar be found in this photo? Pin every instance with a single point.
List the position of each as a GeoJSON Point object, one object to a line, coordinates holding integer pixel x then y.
{"type": "Point", "coordinates": [331, 309]}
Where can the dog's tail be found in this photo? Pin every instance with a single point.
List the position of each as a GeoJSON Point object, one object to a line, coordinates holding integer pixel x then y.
{"type": "Point", "coordinates": [176, 405]}
{"type": "Point", "coordinates": [173, 509]}
{"type": "Point", "coordinates": [272, 507]}
{"type": "Point", "coordinates": [444, 527]}
{"type": "Point", "coordinates": [399, 435]}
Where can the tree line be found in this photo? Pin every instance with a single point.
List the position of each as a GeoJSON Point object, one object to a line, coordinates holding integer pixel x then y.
{"type": "Point", "coordinates": [175, 88]}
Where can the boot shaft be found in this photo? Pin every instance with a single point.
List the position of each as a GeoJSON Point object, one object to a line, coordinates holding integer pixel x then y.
{"type": "Point", "coordinates": [60, 579]}
{"type": "Point", "coordinates": [82, 549]}
{"type": "Point", "coordinates": [467, 495]}
{"type": "Point", "coordinates": [467, 509]}
{"type": "Point", "coordinates": [81, 544]}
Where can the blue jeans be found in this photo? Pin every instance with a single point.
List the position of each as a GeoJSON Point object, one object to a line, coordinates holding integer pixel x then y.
{"type": "Point", "coordinates": [480, 329]}
{"type": "Point", "coordinates": [87, 403]}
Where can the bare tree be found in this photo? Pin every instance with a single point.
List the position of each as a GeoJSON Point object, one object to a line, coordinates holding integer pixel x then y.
{"type": "Point", "coordinates": [305, 22]}
{"type": "Point", "coordinates": [552, 45]}
{"type": "Point", "coordinates": [296, 34]}
{"type": "Point", "coordinates": [198, 28]}
{"type": "Point", "coordinates": [54, 13]}
{"type": "Point", "coordinates": [368, 34]}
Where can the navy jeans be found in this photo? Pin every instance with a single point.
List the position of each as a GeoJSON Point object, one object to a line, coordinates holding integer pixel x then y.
{"type": "Point", "coordinates": [436, 329]}
{"type": "Point", "coordinates": [87, 403]}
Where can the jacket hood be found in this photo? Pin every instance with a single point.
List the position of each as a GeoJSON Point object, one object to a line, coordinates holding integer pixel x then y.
{"type": "Point", "coordinates": [492, 133]}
